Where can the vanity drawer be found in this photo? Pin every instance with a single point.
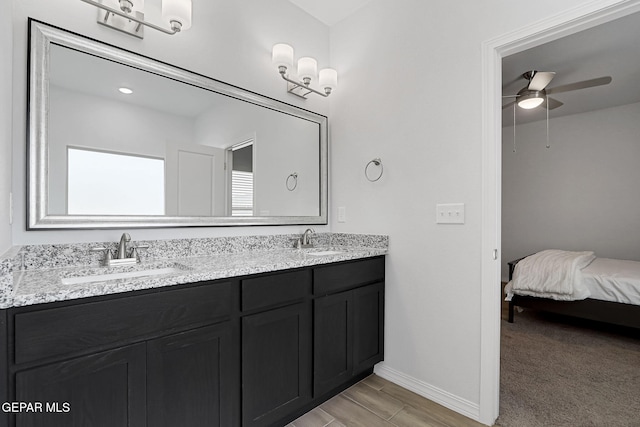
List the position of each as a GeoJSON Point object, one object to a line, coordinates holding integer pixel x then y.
{"type": "Point", "coordinates": [275, 289]}
{"type": "Point", "coordinates": [72, 329]}
{"type": "Point", "coordinates": [337, 277]}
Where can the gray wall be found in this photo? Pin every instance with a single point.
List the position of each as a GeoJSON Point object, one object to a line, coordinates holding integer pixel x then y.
{"type": "Point", "coordinates": [580, 194]}
{"type": "Point", "coordinates": [407, 69]}
{"type": "Point", "coordinates": [5, 123]}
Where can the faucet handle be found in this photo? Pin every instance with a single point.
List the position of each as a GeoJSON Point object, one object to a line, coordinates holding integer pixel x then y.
{"type": "Point", "coordinates": [134, 252]}
{"type": "Point", "coordinates": [107, 254]}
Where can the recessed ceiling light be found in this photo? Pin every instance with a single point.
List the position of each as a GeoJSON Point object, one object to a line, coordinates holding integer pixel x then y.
{"type": "Point", "coordinates": [125, 90]}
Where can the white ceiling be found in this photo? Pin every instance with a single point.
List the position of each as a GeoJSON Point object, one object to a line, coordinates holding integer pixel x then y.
{"type": "Point", "coordinates": [330, 12]}
{"type": "Point", "coordinates": [611, 49]}
{"type": "Point", "coordinates": [100, 77]}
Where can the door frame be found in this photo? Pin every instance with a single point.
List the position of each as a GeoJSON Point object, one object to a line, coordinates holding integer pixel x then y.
{"type": "Point", "coordinates": [569, 22]}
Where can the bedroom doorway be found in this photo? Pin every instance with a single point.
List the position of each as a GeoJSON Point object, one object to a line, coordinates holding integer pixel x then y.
{"type": "Point", "coordinates": [578, 19]}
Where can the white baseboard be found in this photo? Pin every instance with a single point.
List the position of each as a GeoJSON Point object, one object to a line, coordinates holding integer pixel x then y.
{"type": "Point", "coordinates": [444, 398]}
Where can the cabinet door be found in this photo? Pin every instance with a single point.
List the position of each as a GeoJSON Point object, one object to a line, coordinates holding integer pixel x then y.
{"type": "Point", "coordinates": [368, 326]}
{"type": "Point", "coordinates": [276, 363]}
{"type": "Point", "coordinates": [192, 378]}
{"type": "Point", "coordinates": [101, 390]}
{"type": "Point", "coordinates": [333, 334]}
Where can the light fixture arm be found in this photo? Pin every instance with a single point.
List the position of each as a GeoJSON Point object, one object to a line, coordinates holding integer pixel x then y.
{"type": "Point", "coordinates": [174, 28]}
{"type": "Point", "coordinates": [304, 84]}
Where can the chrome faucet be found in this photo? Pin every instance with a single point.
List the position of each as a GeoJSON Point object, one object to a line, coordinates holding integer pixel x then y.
{"type": "Point", "coordinates": [121, 253]}
{"type": "Point", "coordinates": [124, 255]}
{"type": "Point", "coordinates": [308, 234]}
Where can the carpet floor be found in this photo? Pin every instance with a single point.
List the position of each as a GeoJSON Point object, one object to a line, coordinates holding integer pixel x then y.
{"type": "Point", "coordinates": [556, 373]}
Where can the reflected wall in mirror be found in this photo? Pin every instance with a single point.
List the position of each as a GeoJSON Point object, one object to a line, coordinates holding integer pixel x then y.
{"type": "Point", "coordinates": [120, 140]}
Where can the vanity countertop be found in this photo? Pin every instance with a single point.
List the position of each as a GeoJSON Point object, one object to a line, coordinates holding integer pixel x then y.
{"type": "Point", "coordinates": [46, 285]}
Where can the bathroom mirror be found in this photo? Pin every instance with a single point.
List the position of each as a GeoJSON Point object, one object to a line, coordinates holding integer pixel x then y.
{"type": "Point", "coordinates": [119, 140]}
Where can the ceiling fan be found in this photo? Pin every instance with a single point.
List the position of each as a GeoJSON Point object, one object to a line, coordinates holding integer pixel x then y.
{"type": "Point", "coordinates": [536, 92]}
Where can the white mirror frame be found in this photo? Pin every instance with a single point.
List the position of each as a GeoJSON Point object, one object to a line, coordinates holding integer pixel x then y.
{"type": "Point", "coordinates": [41, 38]}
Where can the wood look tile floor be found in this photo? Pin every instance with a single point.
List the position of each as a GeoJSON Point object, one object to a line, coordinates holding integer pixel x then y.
{"type": "Point", "coordinates": [375, 402]}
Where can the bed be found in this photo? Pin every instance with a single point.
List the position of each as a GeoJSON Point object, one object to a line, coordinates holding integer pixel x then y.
{"type": "Point", "coordinates": [600, 289]}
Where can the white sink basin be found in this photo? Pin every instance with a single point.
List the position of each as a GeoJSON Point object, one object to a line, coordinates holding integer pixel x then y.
{"type": "Point", "coordinates": [120, 275]}
{"type": "Point", "coordinates": [325, 253]}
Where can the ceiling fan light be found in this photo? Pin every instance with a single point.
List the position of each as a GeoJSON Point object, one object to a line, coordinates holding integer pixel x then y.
{"type": "Point", "coordinates": [530, 100]}
{"type": "Point", "coordinates": [530, 103]}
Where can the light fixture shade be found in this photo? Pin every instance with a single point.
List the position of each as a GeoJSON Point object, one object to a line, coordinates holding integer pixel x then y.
{"type": "Point", "coordinates": [529, 99]}
{"type": "Point", "coordinates": [530, 102]}
{"type": "Point", "coordinates": [177, 10]}
{"type": "Point", "coordinates": [328, 78]}
{"type": "Point", "coordinates": [307, 68]}
{"type": "Point", "coordinates": [282, 55]}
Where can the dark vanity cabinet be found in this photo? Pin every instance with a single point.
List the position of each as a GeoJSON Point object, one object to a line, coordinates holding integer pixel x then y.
{"type": "Point", "coordinates": [257, 350]}
{"type": "Point", "coordinates": [276, 346]}
{"type": "Point", "coordinates": [162, 358]}
{"type": "Point", "coordinates": [191, 380]}
{"type": "Point", "coordinates": [348, 321]}
{"type": "Point", "coordinates": [109, 387]}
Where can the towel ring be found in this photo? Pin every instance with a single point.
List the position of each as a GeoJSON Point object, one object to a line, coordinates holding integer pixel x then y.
{"type": "Point", "coordinates": [292, 181]}
{"type": "Point", "coordinates": [378, 162]}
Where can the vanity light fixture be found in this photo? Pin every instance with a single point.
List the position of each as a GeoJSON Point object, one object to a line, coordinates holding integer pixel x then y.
{"type": "Point", "coordinates": [127, 15]}
{"type": "Point", "coordinates": [307, 71]}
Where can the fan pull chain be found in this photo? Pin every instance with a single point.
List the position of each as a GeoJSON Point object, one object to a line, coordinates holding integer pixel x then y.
{"type": "Point", "coordinates": [514, 127]}
{"type": "Point", "coordinates": [547, 102]}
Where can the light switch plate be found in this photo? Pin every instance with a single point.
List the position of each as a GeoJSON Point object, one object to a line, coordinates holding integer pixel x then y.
{"type": "Point", "coordinates": [342, 214]}
{"type": "Point", "coordinates": [450, 213]}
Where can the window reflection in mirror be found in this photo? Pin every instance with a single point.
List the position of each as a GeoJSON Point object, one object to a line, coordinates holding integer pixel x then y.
{"type": "Point", "coordinates": [113, 184]}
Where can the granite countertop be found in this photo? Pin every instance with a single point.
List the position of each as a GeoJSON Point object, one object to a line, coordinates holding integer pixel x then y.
{"type": "Point", "coordinates": [45, 285]}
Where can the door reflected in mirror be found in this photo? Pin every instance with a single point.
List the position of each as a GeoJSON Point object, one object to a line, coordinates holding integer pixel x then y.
{"type": "Point", "coordinates": [240, 165]}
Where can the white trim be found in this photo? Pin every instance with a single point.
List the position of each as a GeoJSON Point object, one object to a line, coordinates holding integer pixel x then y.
{"type": "Point", "coordinates": [491, 240]}
{"type": "Point", "coordinates": [577, 19]}
{"type": "Point", "coordinates": [444, 398]}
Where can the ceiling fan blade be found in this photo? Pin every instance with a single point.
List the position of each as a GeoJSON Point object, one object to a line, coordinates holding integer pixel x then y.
{"type": "Point", "coordinates": [580, 85]}
{"type": "Point", "coordinates": [509, 104]}
{"type": "Point", "coordinates": [540, 80]}
{"type": "Point", "coordinates": [553, 103]}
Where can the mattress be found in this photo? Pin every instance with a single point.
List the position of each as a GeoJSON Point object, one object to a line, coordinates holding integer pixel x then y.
{"type": "Point", "coordinates": [613, 280]}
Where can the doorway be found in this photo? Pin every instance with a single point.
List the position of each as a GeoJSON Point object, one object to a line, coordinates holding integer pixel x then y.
{"type": "Point", "coordinates": [493, 51]}
{"type": "Point", "coordinates": [240, 167]}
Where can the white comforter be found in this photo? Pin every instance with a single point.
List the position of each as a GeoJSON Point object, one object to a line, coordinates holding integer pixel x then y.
{"type": "Point", "coordinates": [552, 274]}
{"type": "Point", "coordinates": [614, 280]}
